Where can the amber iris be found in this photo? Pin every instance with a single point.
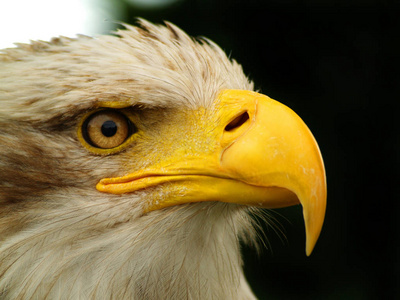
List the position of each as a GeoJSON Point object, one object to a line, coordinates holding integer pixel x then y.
{"type": "Point", "coordinates": [106, 129]}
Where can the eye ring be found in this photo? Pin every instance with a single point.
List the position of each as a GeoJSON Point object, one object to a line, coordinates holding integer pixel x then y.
{"type": "Point", "coordinates": [105, 131]}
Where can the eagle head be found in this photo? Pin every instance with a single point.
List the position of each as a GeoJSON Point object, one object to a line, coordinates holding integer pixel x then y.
{"type": "Point", "coordinates": [131, 165]}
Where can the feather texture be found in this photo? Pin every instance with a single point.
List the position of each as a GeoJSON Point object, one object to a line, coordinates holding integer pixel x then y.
{"type": "Point", "coordinates": [59, 237]}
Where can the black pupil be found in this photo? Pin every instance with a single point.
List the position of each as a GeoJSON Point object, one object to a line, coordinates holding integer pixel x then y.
{"type": "Point", "coordinates": [109, 128]}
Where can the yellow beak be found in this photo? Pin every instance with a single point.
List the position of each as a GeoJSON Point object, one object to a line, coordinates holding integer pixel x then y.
{"type": "Point", "coordinates": [264, 156]}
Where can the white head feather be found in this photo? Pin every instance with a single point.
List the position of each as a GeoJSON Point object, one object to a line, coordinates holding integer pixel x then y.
{"type": "Point", "coordinates": [59, 237]}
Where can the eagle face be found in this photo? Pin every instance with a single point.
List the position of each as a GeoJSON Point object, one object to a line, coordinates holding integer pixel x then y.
{"type": "Point", "coordinates": [131, 166]}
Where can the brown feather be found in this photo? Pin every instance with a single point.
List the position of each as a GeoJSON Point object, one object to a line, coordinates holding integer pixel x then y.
{"type": "Point", "coordinates": [62, 239]}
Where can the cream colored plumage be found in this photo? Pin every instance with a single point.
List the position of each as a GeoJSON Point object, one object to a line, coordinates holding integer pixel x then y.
{"type": "Point", "coordinates": [60, 238]}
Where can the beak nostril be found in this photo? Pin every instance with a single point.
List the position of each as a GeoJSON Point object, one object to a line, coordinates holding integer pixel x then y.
{"type": "Point", "coordinates": [238, 121]}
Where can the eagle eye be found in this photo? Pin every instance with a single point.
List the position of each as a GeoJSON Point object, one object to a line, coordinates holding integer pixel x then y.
{"type": "Point", "coordinates": [107, 129]}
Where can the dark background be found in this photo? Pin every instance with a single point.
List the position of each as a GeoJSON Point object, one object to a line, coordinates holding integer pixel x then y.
{"type": "Point", "coordinates": [336, 64]}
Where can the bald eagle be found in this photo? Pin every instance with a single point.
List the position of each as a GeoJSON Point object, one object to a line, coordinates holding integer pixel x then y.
{"type": "Point", "coordinates": [130, 166]}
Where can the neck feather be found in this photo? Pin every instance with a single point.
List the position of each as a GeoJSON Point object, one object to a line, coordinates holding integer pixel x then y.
{"type": "Point", "coordinates": [191, 252]}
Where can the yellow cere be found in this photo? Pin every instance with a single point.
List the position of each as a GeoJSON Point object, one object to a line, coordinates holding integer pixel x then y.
{"type": "Point", "coordinates": [256, 152]}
